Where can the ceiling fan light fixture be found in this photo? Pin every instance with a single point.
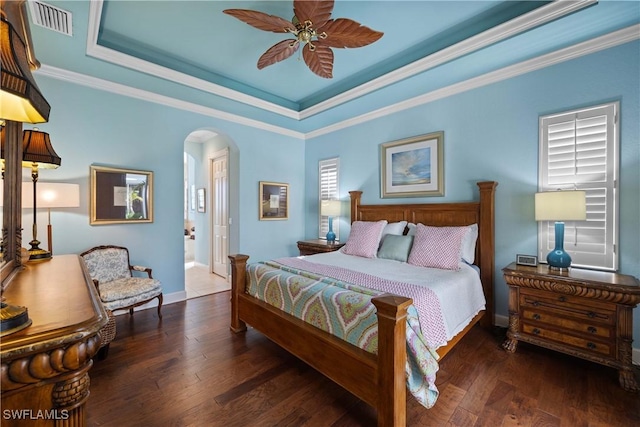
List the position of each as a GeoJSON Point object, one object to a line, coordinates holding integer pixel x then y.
{"type": "Point", "coordinates": [317, 39]}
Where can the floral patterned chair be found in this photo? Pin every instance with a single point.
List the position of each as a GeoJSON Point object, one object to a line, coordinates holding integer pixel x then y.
{"type": "Point", "coordinates": [119, 289]}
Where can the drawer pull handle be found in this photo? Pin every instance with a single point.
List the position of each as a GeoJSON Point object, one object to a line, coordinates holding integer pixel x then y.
{"type": "Point", "coordinates": [562, 299]}
{"type": "Point", "coordinates": [536, 316]}
{"type": "Point", "coordinates": [591, 314]}
{"type": "Point", "coordinates": [592, 329]}
{"type": "Point", "coordinates": [536, 331]}
{"type": "Point", "coordinates": [591, 346]}
{"type": "Point", "coordinates": [536, 303]}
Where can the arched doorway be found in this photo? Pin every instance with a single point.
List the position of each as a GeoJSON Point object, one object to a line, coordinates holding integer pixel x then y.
{"type": "Point", "coordinates": [207, 211]}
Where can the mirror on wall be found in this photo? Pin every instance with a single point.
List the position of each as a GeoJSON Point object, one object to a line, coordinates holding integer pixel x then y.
{"type": "Point", "coordinates": [120, 196]}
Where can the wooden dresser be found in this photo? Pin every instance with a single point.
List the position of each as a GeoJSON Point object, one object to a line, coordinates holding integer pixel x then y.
{"type": "Point", "coordinates": [584, 313]}
{"type": "Point", "coordinates": [45, 379]}
{"type": "Point", "coordinates": [316, 246]}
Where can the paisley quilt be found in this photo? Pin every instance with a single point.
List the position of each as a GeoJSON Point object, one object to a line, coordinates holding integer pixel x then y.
{"type": "Point", "coordinates": [343, 309]}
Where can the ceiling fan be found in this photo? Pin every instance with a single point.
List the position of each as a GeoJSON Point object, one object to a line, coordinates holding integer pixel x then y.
{"type": "Point", "coordinates": [313, 27]}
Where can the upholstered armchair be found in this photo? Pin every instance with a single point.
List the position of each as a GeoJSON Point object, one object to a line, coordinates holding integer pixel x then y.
{"type": "Point", "coordinates": [119, 289]}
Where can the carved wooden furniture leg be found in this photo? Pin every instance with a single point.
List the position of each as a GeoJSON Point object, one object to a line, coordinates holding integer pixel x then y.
{"type": "Point", "coordinates": [510, 344]}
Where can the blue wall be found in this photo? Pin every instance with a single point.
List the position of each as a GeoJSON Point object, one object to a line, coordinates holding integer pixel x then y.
{"type": "Point", "coordinates": [491, 133]}
{"type": "Point", "coordinates": [91, 126]}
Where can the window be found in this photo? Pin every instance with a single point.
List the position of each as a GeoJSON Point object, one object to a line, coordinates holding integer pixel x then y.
{"type": "Point", "coordinates": [328, 182]}
{"type": "Point", "coordinates": [579, 151]}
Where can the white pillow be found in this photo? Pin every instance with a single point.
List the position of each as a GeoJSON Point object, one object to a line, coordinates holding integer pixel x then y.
{"type": "Point", "coordinates": [468, 247]}
{"type": "Point", "coordinates": [396, 228]}
{"type": "Point", "coordinates": [364, 238]}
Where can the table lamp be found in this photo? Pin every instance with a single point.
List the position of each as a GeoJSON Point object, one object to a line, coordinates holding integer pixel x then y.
{"type": "Point", "coordinates": [51, 195]}
{"type": "Point", "coordinates": [330, 208]}
{"type": "Point", "coordinates": [37, 153]}
{"type": "Point", "coordinates": [560, 206]}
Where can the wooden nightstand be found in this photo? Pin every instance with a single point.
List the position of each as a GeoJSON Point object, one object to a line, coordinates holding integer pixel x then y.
{"type": "Point", "coordinates": [310, 247]}
{"type": "Point", "coordinates": [584, 313]}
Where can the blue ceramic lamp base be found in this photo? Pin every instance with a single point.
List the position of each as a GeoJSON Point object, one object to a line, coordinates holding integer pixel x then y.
{"type": "Point", "coordinates": [558, 259]}
{"type": "Point", "coordinates": [331, 236]}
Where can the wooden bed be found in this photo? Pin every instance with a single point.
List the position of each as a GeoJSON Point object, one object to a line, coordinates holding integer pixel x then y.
{"type": "Point", "coordinates": [379, 380]}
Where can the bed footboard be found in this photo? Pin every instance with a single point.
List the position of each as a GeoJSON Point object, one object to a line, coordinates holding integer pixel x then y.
{"type": "Point", "coordinates": [378, 380]}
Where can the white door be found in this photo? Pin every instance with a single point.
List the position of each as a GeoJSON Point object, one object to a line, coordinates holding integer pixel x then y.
{"type": "Point", "coordinates": [219, 197]}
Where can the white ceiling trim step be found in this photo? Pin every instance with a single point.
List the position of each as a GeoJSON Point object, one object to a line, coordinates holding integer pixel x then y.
{"type": "Point", "coordinates": [511, 28]}
{"type": "Point", "coordinates": [537, 17]}
{"type": "Point", "coordinates": [131, 92]}
{"type": "Point", "coordinates": [607, 41]}
{"type": "Point", "coordinates": [613, 39]}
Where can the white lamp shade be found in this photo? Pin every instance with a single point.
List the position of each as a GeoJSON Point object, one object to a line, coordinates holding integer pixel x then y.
{"type": "Point", "coordinates": [51, 195]}
{"type": "Point", "coordinates": [330, 207]}
{"type": "Point", "coordinates": [561, 206]}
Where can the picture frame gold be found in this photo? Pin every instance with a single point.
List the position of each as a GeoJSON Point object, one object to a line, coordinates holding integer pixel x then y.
{"type": "Point", "coordinates": [120, 196]}
{"type": "Point", "coordinates": [413, 167]}
{"type": "Point", "coordinates": [274, 201]}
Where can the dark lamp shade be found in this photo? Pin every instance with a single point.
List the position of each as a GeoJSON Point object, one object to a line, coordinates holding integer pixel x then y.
{"type": "Point", "coordinates": [20, 98]}
{"type": "Point", "coordinates": [36, 148]}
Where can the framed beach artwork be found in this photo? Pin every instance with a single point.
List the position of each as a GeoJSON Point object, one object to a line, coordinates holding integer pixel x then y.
{"type": "Point", "coordinates": [413, 167]}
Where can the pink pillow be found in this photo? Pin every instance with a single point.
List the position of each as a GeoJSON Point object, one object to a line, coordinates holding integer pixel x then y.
{"type": "Point", "coordinates": [364, 238]}
{"type": "Point", "coordinates": [437, 247]}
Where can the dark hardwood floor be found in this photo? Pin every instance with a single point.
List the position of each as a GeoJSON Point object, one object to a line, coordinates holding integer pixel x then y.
{"type": "Point", "coordinates": [189, 369]}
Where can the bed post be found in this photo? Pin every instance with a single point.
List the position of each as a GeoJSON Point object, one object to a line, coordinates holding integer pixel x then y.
{"type": "Point", "coordinates": [392, 357]}
{"type": "Point", "coordinates": [238, 286]}
{"type": "Point", "coordinates": [355, 202]}
{"type": "Point", "coordinates": [487, 248]}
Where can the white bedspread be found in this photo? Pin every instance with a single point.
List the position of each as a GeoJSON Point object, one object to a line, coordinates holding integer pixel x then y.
{"type": "Point", "coordinates": [459, 291]}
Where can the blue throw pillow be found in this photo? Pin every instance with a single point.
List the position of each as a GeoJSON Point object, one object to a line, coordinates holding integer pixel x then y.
{"type": "Point", "coordinates": [396, 247]}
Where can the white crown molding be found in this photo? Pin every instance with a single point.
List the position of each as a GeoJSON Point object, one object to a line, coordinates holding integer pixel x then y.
{"type": "Point", "coordinates": [616, 38]}
{"type": "Point", "coordinates": [96, 51]}
{"type": "Point", "coordinates": [131, 92]}
{"type": "Point", "coordinates": [501, 32]}
{"type": "Point", "coordinates": [508, 29]}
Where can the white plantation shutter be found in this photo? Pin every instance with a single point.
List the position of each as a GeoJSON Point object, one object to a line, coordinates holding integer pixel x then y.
{"type": "Point", "coordinates": [328, 179]}
{"type": "Point", "coordinates": [578, 150]}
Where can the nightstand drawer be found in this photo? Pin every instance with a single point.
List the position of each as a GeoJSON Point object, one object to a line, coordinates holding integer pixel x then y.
{"type": "Point", "coordinates": [580, 309]}
{"type": "Point", "coordinates": [593, 346]}
{"type": "Point", "coordinates": [595, 329]}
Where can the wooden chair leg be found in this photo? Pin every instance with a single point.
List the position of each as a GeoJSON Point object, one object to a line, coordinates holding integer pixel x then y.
{"type": "Point", "coordinates": [160, 305]}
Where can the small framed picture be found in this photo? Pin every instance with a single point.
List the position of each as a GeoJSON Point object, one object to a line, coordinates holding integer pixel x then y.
{"type": "Point", "coordinates": [274, 201]}
{"type": "Point", "coordinates": [530, 260]}
{"type": "Point", "coordinates": [201, 200]}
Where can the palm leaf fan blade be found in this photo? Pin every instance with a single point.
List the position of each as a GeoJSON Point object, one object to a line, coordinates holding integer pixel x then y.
{"type": "Point", "coordinates": [316, 11]}
{"type": "Point", "coordinates": [344, 32]}
{"type": "Point", "coordinates": [261, 21]}
{"type": "Point", "coordinates": [278, 52]}
{"type": "Point", "coordinates": [319, 60]}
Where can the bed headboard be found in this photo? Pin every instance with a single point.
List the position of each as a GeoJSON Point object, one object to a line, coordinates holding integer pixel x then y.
{"type": "Point", "coordinates": [480, 212]}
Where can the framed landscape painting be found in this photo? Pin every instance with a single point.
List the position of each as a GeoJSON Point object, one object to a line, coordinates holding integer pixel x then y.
{"type": "Point", "coordinates": [413, 167]}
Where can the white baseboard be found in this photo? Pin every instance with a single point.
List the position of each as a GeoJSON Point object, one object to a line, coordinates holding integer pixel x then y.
{"type": "Point", "coordinates": [503, 321]}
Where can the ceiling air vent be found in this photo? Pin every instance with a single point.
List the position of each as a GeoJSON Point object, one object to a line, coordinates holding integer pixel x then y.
{"type": "Point", "coordinates": [51, 17]}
